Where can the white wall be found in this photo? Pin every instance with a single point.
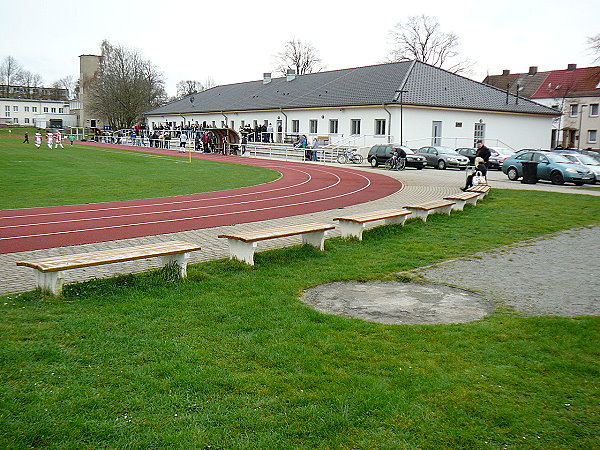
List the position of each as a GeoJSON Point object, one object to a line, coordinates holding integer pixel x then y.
{"type": "Point", "coordinates": [512, 130]}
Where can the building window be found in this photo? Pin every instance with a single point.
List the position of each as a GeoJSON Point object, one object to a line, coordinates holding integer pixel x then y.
{"type": "Point", "coordinates": [45, 109]}
{"type": "Point", "coordinates": [594, 110]}
{"type": "Point", "coordinates": [333, 126]}
{"type": "Point", "coordinates": [479, 134]}
{"type": "Point", "coordinates": [592, 136]}
{"type": "Point", "coordinates": [573, 112]}
{"type": "Point", "coordinates": [61, 110]}
{"type": "Point", "coordinates": [355, 126]}
{"type": "Point", "coordinates": [16, 120]}
{"type": "Point", "coordinates": [312, 126]}
{"type": "Point", "coordinates": [379, 127]}
{"type": "Point", "coordinates": [53, 110]}
{"type": "Point", "coordinates": [34, 109]}
{"type": "Point", "coordinates": [15, 108]}
{"type": "Point", "coordinates": [7, 108]}
{"type": "Point", "coordinates": [27, 109]}
{"type": "Point", "coordinates": [295, 126]}
{"type": "Point", "coordinates": [26, 120]}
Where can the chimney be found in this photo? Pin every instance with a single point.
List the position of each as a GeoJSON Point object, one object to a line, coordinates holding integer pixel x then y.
{"type": "Point", "coordinates": [505, 72]}
{"type": "Point", "coordinates": [532, 70]}
{"type": "Point", "coordinates": [291, 75]}
{"type": "Point", "coordinates": [266, 77]}
{"type": "Point", "coordinates": [571, 67]}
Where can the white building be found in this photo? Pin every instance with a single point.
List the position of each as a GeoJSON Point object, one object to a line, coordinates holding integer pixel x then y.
{"type": "Point", "coordinates": [410, 102]}
{"type": "Point", "coordinates": [36, 113]}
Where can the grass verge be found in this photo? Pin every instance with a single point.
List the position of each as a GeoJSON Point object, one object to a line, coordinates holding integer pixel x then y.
{"type": "Point", "coordinates": [231, 359]}
{"type": "Point", "coordinates": [82, 174]}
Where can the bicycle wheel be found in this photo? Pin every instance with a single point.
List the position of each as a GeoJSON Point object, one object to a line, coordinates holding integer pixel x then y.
{"type": "Point", "coordinates": [357, 159]}
{"type": "Point", "coordinates": [401, 165]}
{"type": "Point", "coordinates": [390, 164]}
{"type": "Point", "coordinates": [342, 159]}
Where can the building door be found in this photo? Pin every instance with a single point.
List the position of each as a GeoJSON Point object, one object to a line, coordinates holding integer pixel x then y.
{"type": "Point", "coordinates": [436, 133]}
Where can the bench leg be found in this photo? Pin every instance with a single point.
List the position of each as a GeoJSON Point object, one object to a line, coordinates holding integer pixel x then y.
{"type": "Point", "coordinates": [443, 210]}
{"type": "Point", "coordinates": [459, 205]}
{"type": "Point", "coordinates": [181, 259]}
{"type": "Point", "coordinates": [316, 239]}
{"type": "Point", "coordinates": [49, 281]}
{"type": "Point", "coordinates": [419, 214]}
{"type": "Point", "coordinates": [350, 228]}
{"type": "Point", "coordinates": [473, 201]}
{"type": "Point", "coordinates": [395, 220]}
{"type": "Point", "coordinates": [242, 251]}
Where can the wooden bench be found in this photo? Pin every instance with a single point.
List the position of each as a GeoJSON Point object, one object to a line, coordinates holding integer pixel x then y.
{"type": "Point", "coordinates": [355, 225]}
{"type": "Point", "coordinates": [243, 244]}
{"type": "Point", "coordinates": [462, 199]}
{"type": "Point", "coordinates": [422, 210]}
{"type": "Point", "coordinates": [481, 189]}
{"type": "Point", "coordinates": [49, 271]}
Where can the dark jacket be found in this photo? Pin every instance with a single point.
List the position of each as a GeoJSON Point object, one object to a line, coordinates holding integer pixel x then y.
{"type": "Point", "coordinates": [484, 153]}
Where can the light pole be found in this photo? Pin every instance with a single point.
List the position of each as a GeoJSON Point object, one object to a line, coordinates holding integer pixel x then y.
{"type": "Point", "coordinates": [399, 93]}
{"type": "Point", "coordinates": [579, 133]}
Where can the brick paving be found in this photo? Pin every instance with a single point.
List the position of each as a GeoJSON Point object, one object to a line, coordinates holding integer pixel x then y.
{"type": "Point", "coordinates": [419, 186]}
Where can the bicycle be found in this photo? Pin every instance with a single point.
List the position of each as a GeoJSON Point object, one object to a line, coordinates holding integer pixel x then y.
{"type": "Point", "coordinates": [395, 163]}
{"type": "Point", "coordinates": [350, 157]}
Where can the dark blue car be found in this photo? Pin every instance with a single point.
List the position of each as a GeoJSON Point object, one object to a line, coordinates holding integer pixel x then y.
{"type": "Point", "coordinates": [551, 166]}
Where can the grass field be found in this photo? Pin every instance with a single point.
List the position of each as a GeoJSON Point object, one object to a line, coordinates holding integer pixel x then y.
{"type": "Point", "coordinates": [231, 359]}
{"type": "Point", "coordinates": [82, 174]}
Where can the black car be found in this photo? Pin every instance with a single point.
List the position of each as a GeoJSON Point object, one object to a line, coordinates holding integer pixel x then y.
{"type": "Point", "coordinates": [493, 162]}
{"type": "Point", "coordinates": [379, 154]}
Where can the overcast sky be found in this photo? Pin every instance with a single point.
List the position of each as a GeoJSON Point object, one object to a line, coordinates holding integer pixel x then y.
{"type": "Point", "coordinates": [234, 41]}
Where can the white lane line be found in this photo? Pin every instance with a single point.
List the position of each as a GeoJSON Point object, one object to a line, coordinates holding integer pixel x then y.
{"type": "Point", "coordinates": [190, 218]}
{"type": "Point", "coordinates": [195, 208]}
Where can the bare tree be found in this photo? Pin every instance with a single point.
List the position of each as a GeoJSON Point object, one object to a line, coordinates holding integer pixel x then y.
{"type": "Point", "coordinates": [208, 83]}
{"type": "Point", "coordinates": [299, 56]}
{"type": "Point", "coordinates": [30, 80]}
{"type": "Point", "coordinates": [10, 71]}
{"type": "Point", "coordinates": [421, 38]}
{"type": "Point", "coordinates": [594, 46]}
{"type": "Point", "coordinates": [188, 87]}
{"type": "Point", "coordinates": [69, 84]}
{"type": "Point", "coordinates": [125, 86]}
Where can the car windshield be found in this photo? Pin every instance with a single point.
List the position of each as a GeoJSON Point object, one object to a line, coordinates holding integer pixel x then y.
{"type": "Point", "coordinates": [408, 151]}
{"type": "Point", "coordinates": [503, 151]}
{"type": "Point", "coordinates": [558, 158]}
{"type": "Point", "coordinates": [446, 150]}
{"type": "Point", "coordinates": [586, 159]}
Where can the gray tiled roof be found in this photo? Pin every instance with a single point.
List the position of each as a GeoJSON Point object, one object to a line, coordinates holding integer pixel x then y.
{"type": "Point", "coordinates": [370, 85]}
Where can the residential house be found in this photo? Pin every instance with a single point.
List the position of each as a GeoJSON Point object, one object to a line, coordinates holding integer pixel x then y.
{"type": "Point", "coordinates": [575, 92]}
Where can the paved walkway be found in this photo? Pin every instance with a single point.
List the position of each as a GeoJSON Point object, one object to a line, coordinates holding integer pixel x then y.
{"type": "Point", "coordinates": [419, 185]}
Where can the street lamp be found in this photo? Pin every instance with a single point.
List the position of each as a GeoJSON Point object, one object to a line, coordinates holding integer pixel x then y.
{"type": "Point", "coordinates": [399, 93]}
{"type": "Point", "coordinates": [580, 117]}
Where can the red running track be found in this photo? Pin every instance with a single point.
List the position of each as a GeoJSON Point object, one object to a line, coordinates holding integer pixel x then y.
{"type": "Point", "coordinates": [302, 189]}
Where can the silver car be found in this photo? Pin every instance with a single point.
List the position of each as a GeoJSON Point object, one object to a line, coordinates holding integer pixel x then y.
{"type": "Point", "coordinates": [442, 157]}
{"type": "Point", "coordinates": [587, 161]}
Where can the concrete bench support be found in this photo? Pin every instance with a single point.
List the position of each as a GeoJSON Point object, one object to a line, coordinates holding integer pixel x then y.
{"type": "Point", "coordinates": [462, 199]}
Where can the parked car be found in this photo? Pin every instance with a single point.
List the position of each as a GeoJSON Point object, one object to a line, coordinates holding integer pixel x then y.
{"type": "Point", "coordinates": [501, 154]}
{"type": "Point", "coordinates": [551, 166]}
{"type": "Point", "coordinates": [585, 160]}
{"type": "Point", "coordinates": [379, 154]}
{"type": "Point", "coordinates": [442, 157]}
{"type": "Point", "coordinates": [493, 162]}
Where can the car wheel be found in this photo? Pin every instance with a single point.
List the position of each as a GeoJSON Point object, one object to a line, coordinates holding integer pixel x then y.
{"type": "Point", "coordinates": [441, 164]}
{"type": "Point", "coordinates": [420, 168]}
{"type": "Point", "coordinates": [512, 173]}
{"type": "Point", "coordinates": [373, 162]}
{"type": "Point", "coordinates": [557, 178]}
{"type": "Point", "coordinates": [578, 183]}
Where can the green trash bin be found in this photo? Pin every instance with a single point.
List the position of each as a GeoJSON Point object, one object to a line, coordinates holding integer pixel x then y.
{"type": "Point", "coordinates": [530, 175]}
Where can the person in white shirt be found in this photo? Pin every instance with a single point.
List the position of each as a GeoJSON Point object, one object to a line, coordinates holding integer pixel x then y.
{"type": "Point", "coordinates": [38, 139]}
{"type": "Point", "coordinates": [58, 140]}
{"type": "Point", "coordinates": [49, 137]}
